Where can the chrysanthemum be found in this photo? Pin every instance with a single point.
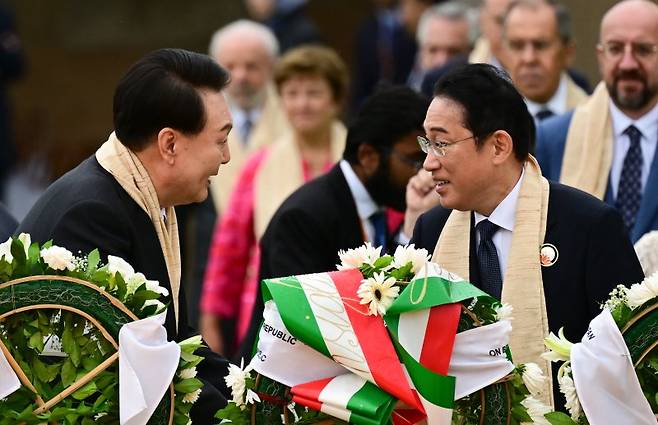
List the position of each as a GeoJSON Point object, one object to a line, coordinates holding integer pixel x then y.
{"type": "Point", "coordinates": [379, 292]}
{"type": "Point", "coordinates": [354, 258]}
{"type": "Point", "coordinates": [409, 254]}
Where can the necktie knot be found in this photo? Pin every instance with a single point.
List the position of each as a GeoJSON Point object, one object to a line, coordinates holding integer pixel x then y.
{"type": "Point", "coordinates": [633, 134]}
{"type": "Point", "coordinates": [487, 229]}
{"type": "Point", "coordinates": [543, 114]}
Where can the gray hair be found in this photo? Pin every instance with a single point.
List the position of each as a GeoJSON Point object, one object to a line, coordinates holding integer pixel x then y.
{"type": "Point", "coordinates": [244, 26]}
{"type": "Point", "coordinates": [453, 10]}
{"type": "Point", "coordinates": [562, 16]}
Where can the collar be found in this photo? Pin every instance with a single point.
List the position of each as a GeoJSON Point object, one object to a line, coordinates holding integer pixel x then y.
{"type": "Point", "coordinates": [163, 214]}
{"type": "Point", "coordinates": [556, 104]}
{"type": "Point", "coordinates": [647, 123]}
{"type": "Point", "coordinates": [240, 115]}
{"type": "Point", "coordinates": [505, 213]}
{"type": "Point", "coordinates": [365, 205]}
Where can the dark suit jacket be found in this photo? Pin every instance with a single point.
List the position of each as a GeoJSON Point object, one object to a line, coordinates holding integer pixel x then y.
{"type": "Point", "coordinates": [595, 255]}
{"type": "Point", "coordinates": [305, 235]}
{"type": "Point", "coordinates": [86, 209]}
{"type": "Point", "coordinates": [551, 142]}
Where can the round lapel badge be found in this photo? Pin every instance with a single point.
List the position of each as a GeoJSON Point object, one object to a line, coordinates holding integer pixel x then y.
{"type": "Point", "coordinates": [548, 255]}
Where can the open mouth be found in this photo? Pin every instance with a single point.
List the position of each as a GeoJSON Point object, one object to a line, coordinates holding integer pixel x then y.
{"type": "Point", "coordinates": [441, 183]}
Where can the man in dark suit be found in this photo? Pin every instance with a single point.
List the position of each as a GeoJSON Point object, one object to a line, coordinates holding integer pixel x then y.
{"type": "Point", "coordinates": [607, 146]}
{"type": "Point", "coordinates": [171, 124]}
{"type": "Point", "coordinates": [343, 209]}
{"type": "Point", "coordinates": [479, 132]}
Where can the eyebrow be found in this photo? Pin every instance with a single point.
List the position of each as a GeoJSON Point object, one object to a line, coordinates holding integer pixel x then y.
{"type": "Point", "coordinates": [439, 130]}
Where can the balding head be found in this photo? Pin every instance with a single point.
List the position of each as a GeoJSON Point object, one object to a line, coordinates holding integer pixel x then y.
{"type": "Point", "coordinates": [248, 50]}
{"type": "Point", "coordinates": [628, 55]}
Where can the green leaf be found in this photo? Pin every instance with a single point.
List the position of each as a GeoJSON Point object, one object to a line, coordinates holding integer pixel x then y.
{"type": "Point", "coordinates": [188, 385]}
{"type": "Point", "coordinates": [68, 372]}
{"type": "Point", "coordinates": [45, 373]}
{"type": "Point", "coordinates": [559, 418]}
{"type": "Point", "coordinates": [382, 262]}
{"type": "Point", "coordinates": [121, 286]}
{"type": "Point", "coordinates": [84, 392]}
{"type": "Point", "coordinates": [36, 341]}
{"type": "Point", "coordinates": [34, 254]}
{"type": "Point", "coordinates": [93, 259]}
{"type": "Point", "coordinates": [69, 345]}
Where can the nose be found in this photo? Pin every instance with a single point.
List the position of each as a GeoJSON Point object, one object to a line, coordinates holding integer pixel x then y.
{"type": "Point", "coordinates": [226, 154]}
{"type": "Point", "coordinates": [431, 162]}
{"type": "Point", "coordinates": [238, 74]}
{"type": "Point", "coordinates": [628, 60]}
{"type": "Point", "coordinates": [528, 53]}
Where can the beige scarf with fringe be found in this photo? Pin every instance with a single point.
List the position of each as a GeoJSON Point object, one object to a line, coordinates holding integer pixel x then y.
{"type": "Point", "coordinates": [128, 170]}
{"type": "Point", "coordinates": [281, 173]}
{"type": "Point", "coordinates": [523, 288]}
{"type": "Point", "coordinates": [588, 151]}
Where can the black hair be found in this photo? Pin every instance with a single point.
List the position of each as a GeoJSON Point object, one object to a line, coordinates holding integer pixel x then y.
{"type": "Point", "coordinates": [387, 116]}
{"type": "Point", "coordinates": [162, 90]}
{"type": "Point", "coordinates": [490, 102]}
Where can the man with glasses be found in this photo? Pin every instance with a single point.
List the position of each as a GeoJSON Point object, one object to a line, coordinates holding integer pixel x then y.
{"type": "Point", "coordinates": [537, 38]}
{"type": "Point", "coordinates": [550, 251]}
{"type": "Point", "coordinates": [352, 203]}
{"type": "Point", "coordinates": [607, 146]}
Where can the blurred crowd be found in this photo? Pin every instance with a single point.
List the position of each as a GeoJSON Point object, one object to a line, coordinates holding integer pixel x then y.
{"type": "Point", "coordinates": [292, 97]}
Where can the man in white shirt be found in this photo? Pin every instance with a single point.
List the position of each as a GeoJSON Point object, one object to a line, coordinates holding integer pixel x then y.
{"type": "Point", "coordinates": [607, 146]}
{"type": "Point", "coordinates": [537, 40]}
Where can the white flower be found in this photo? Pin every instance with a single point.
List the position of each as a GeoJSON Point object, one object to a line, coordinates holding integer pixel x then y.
{"type": "Point", "coordinates": [568, 388]}
{"type": "Point", "coordinates": [560, 347]}
{"type": "Point", "coordinates": [236, 381]}
{"type": "Point", "coordinates": [100, 415]}
{"type": "Point", "coordinates": [536, 410]}
{"type": "Point", "coordinates": [58, 258]}
{"type": "Point", "coordinates": [619, 295]}
{"type": "Point", "coordinates": [27, 241]}
{"type": "Point", "coordinates": [192, 397]}
{"type": "Point", "coordinates": [504, 312]}
{"type": "Point", "coordinates": [159, 306]}
{"type": "Point", "coordinates": [379, 292]}
{"type": "Point", "coordinates": [119, 265]}
{"type": "Point", "coordinates": [640, 293]}
{"type": "Point", "coordinates": [353, 258]}
{"type": "Point", "coordinates": [188, 373]}
{"type": "Point", "coordinates": [409, 254]}
{"type": "Point", "coordinates": [533, 378]}
{"type": "Point", "coordinates": [5, 251]}
{"type": "Point", "coordinates": [252, 397]}
{"type": "Point", "coordinates": [133, 282]}
{"type": "Point", "coordinates": [154, 285]}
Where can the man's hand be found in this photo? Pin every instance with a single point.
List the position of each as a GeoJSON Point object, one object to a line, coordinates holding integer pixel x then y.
{"type": "Point", "coordinates": [420, 198]}
{"type": "Point", "coordinates": [211, 331]}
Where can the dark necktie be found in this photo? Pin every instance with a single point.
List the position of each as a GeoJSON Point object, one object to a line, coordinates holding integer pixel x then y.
{"type": "Point", "coordinates": [246, 130]}
{"type": "Point", "coordinates": [629, 191]}
{"type": "Point", "coordinates": [378, 221]}
{"type": "Point", "coordinates": [492, 282]}
{"type": "Point", "coordinates": [543, 114]}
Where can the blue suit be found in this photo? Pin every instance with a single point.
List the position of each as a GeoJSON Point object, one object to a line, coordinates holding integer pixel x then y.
{"type": "Point", "coordinates": [551, 141]}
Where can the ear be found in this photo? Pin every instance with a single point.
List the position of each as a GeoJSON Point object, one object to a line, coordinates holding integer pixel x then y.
{"type": "Point", "coordinates": [368, 158]}
{"type": "Point", "coordinates": [502, 146]}
{"type": "Point", "coordinates": [167, 140]}
{"type": "Point", "coordinates": [569, 53]}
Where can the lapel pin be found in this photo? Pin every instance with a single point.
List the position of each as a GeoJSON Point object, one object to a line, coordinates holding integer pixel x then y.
{"type": "Point", "coordinates": [548, 255]}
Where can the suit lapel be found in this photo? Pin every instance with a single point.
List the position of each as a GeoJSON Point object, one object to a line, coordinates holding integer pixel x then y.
{"type": "Point", "coordinates": [352, 231]}
{"type": "Point", "coordinates": [649, 205]}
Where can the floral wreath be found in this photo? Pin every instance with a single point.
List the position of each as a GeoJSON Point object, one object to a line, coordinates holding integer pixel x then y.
{"type": "Point", "coordinates": [60, 317]}
{"type": "Point", "coordinates": [385, 282]}
{"type": "Point", "coordinates": [634, 316]}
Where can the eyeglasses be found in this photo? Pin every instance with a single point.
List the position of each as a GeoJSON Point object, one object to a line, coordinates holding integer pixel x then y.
{"type": "Point", "coordinates": [438, 147]}
{"type": "Point", "coordinates": [614, 50]}
{"type": "Point", "coordinates": [416, 163]}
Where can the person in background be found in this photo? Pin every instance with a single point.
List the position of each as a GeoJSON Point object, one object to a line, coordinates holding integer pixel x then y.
{"type": "Point", "coordinates": [312, 83]}
{"type": "Point", "coordinates": [607, 146]}
{"type": "Point", "coordinates": [444, 33]}
{"type": "Point", "coordinates": [354, 202]}
{"type": "Point", "coordinates": [537, 37]}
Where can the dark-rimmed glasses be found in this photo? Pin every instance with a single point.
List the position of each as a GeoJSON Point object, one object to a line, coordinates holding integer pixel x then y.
{"type": "Point", "coordinates": [438, 147]}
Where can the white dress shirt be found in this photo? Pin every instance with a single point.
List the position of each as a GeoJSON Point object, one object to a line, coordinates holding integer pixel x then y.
{"type": "Point", "coordinates": [648, 126]}
{"type": "Point", "coordinates": [365, 205]}
{"type": "Point", "coordinates": [504, 216]}
{"type": "Point", "coordinates": [556, 104]}
{"type": "Point", "coordinates": [240, 117]}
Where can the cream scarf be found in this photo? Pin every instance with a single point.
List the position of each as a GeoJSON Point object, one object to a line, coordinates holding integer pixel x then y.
{"type": "Point", "coordinates": [129, 172]}
{"type": "Point", "coordinates": [281, 173]}
{"type": "Point", "coordinates": [588, 150]}
{"type": "Point", "coordinates": [523, 288]}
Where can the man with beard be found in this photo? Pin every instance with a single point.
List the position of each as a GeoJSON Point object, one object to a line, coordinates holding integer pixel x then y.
{"type": "Point", "coordinates": [606, 146]}
{"type": "Point", "coordinates": [346, 207]}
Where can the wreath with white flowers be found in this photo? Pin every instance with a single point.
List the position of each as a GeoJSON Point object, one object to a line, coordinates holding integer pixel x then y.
{"type": "Point", "coordinates": [634, 311]}
{"type": "Point", "coordinates": [60, 317]}
{"type": "Point", "coordinates": [385, 279]}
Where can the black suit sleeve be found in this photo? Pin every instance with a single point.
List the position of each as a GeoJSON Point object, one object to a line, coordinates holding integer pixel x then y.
{"type": "Point", "coordinates": [611, 259]}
